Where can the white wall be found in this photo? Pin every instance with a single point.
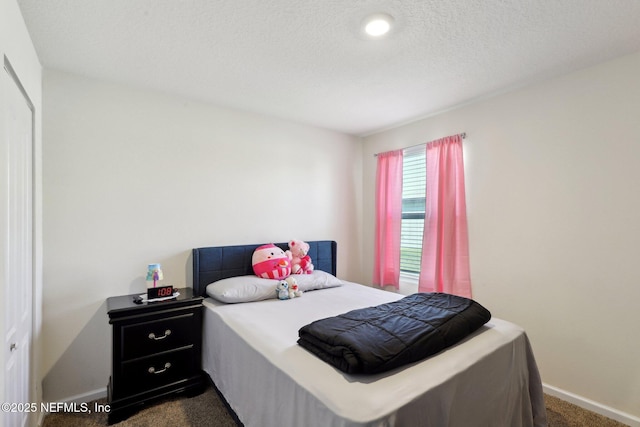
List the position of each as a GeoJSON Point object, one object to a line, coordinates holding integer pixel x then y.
{"type": "Point", "coordinates": [552, 174]}
{"type": "Point", "coordinates": [16, 45]}
{"type": "Point", "coordinates": [134, 177]}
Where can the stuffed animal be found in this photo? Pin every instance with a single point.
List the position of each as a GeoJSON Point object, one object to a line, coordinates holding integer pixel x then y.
{"type": "Point", "coordinates": [270, 262]}
{"type": "Point", "coordinates": [306, 266]}
{"type": "Point", "coordinates": [300, 261]}
{"type": "Point", "coordinates": [294, 290]}
{"type": "Point", "coordinates": [282, 290]}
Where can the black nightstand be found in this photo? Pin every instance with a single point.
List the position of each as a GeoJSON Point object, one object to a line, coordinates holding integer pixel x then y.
{"type": "Point", "coordinates": [156, 350]}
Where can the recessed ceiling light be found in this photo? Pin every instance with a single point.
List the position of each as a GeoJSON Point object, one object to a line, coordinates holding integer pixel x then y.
{"type": "Point", "coordinates": [377, 25]}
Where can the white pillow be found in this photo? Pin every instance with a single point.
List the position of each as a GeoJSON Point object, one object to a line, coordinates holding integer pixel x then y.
{"type": "Point", "coordinates": [243, 289]}
{"type": "Point", "coordinates": [318, 279]}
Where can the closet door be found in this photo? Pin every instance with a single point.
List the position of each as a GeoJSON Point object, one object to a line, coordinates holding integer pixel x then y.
{"type": "Point", "coordinates": [17, 192]}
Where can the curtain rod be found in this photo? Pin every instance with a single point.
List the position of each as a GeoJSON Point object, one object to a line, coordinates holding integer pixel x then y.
{"type": "Point", "coordinates": [463, 135]}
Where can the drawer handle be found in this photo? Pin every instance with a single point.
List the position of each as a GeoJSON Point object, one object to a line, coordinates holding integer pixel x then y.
{"type": "Point", "coordinates": [153, 336]}
{"type": "Point", "coordinates": [152, 370]}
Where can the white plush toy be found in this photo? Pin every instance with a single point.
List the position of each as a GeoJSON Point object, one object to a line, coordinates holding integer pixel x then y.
{"type": "Point", "coordinates": [294, 290]}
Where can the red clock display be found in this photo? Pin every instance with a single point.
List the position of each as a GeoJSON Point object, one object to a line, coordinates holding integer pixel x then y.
{"type": "Point", "coordinates": [165, 291]}
{"type": "Point", "coordinates": [160, 292]}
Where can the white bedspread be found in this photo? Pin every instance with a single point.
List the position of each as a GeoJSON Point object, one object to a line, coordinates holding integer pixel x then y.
{"type": "Point", "coordinates": [250, 352]}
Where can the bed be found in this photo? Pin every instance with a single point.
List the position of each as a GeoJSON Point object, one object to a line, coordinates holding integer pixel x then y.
{"type": "Point", "coordinates": [251, 354]}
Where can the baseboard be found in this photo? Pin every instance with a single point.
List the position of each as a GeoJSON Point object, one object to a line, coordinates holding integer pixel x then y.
{"type": "Point", "coordinates": [87, 397]}
{"type": "Point", "coordinates": [40, 420]}
{"type": "Point", "coordinates": [598, 408]}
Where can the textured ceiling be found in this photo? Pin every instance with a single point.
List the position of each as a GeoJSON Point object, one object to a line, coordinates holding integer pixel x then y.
{"type": "Point", "coordinates": [305, 60]}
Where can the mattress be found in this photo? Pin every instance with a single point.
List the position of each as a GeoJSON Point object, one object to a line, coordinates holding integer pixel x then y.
{"type": "Point", "coordinates": [250, 353]}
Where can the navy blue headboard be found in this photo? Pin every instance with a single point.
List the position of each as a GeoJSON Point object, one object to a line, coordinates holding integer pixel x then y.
{"type": "Point", "coordinates": [219, 262]}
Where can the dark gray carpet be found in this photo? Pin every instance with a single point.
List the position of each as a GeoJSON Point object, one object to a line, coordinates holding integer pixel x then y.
{"type": "Point", "coordinates": [565, 414]}
{"type": "Point", "coordinates": [204, 410]}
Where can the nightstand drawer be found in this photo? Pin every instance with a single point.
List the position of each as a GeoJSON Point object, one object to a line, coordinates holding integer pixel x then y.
{"type": "Point", "coordinates": [146, 338]}
{"type": "Point", "coordinates": [156, 371]}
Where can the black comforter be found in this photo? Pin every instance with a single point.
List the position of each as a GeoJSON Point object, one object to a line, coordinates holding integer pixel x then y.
{"type": "Point", "coordinates": [376, 339]}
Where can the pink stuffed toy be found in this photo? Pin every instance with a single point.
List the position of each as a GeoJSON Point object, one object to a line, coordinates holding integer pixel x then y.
{"type": "Point", "coordinates": [300, 261]}
{"type": "Point", "coordinates": [271, 262]}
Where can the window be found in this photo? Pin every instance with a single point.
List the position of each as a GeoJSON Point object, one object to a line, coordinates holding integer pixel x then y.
{"type": "Point", "coordinates": [414, 180]}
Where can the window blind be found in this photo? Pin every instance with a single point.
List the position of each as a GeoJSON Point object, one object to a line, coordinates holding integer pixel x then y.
{"type": "Point", "coordinates": [414, 179]}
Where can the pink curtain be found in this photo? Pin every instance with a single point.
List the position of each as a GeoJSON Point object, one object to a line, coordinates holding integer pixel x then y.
{"type": "Point", "coordinates": [386, 269]}
{"type": "Point", "coordinates": [445, 246]}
